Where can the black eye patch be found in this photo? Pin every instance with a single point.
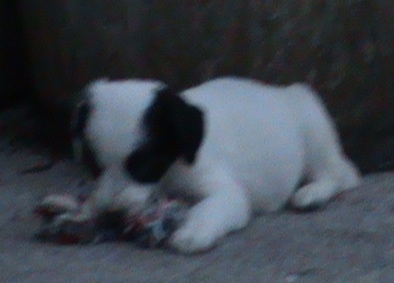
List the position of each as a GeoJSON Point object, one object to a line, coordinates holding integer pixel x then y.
{"type": "Point", "coordinates": [149, 163]}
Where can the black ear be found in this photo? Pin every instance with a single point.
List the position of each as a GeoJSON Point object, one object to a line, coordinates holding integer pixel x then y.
{"type": "Point", "coordinates": [79, 119]}
{"type": "Point", "coordinates": [177, 123]}
{"type": "Point", "coordinates": [82, 150]}
{"type": "Point", "coordinates": [174, 129]}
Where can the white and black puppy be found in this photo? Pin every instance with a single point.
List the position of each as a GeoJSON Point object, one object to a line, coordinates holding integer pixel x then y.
{"type": "Point", "coordinates": [235, 146]}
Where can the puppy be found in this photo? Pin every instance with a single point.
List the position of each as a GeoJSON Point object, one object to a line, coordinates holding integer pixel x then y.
{"type": "Point", "coordinates": [234, 146]}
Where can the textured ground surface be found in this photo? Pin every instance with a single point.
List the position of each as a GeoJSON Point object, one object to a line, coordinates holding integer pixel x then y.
{"type": "Point", "coordinates": [351, 240]}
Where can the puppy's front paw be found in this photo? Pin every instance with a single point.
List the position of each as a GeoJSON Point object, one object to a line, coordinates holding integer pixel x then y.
{"type": "Point", "coordinates": [191, 239]}
{"type": "Point", "coordinates": [200, 231]}
{"type": "Point", "coordinates": [210, 220]}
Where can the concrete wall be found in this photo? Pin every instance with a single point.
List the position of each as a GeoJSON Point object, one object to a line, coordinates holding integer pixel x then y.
{"type": "Point", "coordinates": [343, 48]}
{"type": "Point", "coordinates": [13, 83]}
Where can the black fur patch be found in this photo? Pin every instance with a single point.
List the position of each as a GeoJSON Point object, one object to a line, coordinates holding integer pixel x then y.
{"type": "Point", "coordinates": [175, 129]}
{"type": "Point", "coordinates": [80, 119]}
{"type": "Point", "coordinates": [79, 122]}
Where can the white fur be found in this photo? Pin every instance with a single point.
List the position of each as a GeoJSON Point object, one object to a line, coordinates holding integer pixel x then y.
{"type": "Point", "coordinates": [260, 142]}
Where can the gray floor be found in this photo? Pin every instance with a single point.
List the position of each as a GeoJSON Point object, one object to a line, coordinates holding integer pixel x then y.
{"type": "Point", "coordinates": [351, 240]}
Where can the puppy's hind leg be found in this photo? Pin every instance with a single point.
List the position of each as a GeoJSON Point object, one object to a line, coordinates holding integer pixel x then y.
{"type": "Point", "coordinates": [326, 181]}
{"type": "Point", "coordinates": [327, 169]}
{"type": "Point", "coordinates": [314, 194]}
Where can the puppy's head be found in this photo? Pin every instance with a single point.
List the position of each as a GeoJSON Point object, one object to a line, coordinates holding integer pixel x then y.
{"type": "Point", "coordinates": [143, 126]}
